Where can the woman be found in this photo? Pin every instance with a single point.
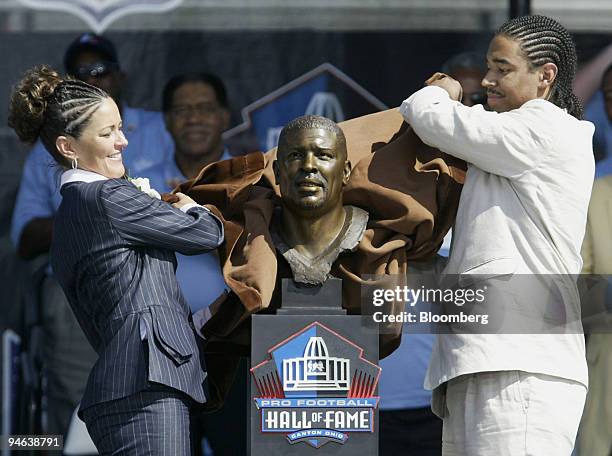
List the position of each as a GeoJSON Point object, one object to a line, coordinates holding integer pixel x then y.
{"type": "Point", "coordinates": [113, 253]}
{"type": "Point", "coordinates": [522, 211]}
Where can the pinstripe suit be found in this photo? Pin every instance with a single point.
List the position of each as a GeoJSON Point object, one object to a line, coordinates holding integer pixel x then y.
{"type": "Point", "coordinates": [113, 253]}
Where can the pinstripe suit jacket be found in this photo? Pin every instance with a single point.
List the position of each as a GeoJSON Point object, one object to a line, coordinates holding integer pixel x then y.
{"type": "Point", "coordinates": [113, 253]}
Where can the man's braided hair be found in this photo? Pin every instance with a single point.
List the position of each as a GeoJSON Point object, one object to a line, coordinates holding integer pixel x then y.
{"type": "Point", "coordinates": [544, 40]}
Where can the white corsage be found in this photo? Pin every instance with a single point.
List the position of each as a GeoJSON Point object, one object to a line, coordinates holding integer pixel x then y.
{"type": "Point", "coordinates": [142, 184]}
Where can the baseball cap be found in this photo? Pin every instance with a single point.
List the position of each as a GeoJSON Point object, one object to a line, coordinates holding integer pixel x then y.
{"type": "Point", "coordinates": [89, 42]}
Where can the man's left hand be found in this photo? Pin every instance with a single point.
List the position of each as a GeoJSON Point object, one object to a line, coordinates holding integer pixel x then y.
{"type": "Point", "coordinates": [449, 84]}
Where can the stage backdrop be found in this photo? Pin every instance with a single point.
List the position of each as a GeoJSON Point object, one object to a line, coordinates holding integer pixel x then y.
{"type": "Point", "coordinates": [364, 71]}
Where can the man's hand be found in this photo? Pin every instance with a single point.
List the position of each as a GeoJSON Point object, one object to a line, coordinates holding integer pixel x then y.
{"type": "Point", "coordinates": [449, 84]}
{"type": "Point", "coordinates": [182, 200]}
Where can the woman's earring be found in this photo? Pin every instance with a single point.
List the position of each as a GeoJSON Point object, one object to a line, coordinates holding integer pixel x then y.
{"type": "Point", "coordinates": [74, 163]}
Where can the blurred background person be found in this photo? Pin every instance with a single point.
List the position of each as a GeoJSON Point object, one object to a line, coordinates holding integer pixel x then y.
{"type": "Point", "coordinates": [594, 436]}
{"type": "Point", "coordinates": [593, 86]}
{"type": "Point", "coordinates": [196, 112]}
{"type": "Point", "coordinates": [468, 68]}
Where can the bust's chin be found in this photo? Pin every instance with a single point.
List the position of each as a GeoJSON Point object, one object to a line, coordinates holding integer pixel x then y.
{"type": "Point", "coordinates": [307, 204]}
{"type": "Point", "coordinates": [307, 208]}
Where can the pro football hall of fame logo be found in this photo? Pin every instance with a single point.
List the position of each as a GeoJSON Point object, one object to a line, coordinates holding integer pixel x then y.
{"type": "Point", "coordinates": [316, 387]}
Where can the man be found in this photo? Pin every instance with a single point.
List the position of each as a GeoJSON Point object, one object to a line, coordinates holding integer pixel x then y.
{"type": "Point", "coordinates": [468, 68]}
{"type": "Point", "coordinates": [594, 437]}
{"type": "Point", "coordinates": [593, 87]}
{"type": "Point", "coordinates": [302, 216]}
{"type": "Point", "coordinates": [67, 354]}
{"type": "Point", "coordinates": [196, 112]}
{"type": "Point", "coordinates": [599, 111]}
{"type": "Point", "coordinates": [522, 211]}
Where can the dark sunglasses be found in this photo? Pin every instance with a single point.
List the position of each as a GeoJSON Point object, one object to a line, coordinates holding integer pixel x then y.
{"type": "Point", "coordinates": [95, 70]}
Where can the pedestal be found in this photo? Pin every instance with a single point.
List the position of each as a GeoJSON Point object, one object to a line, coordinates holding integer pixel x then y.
{"type": "Point", "coordinates": [314, 377]}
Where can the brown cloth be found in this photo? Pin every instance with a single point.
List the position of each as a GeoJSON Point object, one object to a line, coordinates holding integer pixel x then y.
{"type": "Point", "coordinates": [410, 190]}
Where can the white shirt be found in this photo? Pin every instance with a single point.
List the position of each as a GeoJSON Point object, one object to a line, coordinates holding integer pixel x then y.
{"type": "Point", "coordinates": [82, 175]}
{"type": "Point", "coordinates": [522, 211]}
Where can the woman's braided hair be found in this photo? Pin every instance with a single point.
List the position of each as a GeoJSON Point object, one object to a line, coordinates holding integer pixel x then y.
{"type": "Point", "coordinates": [44, 105]}
{"type": "Point", "coordinates": [544, 40]}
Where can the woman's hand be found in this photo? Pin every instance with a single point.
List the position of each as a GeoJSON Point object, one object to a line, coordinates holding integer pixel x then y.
{"type": "Point", "coordinates": [449, 84]}
{"type": "Point", "coordinates": [182, 200]}
{"type": "Point", "coordinates": [169, 198]}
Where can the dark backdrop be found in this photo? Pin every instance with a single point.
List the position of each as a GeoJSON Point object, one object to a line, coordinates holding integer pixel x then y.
{"type": "Point", "coordinates": [390, 65]}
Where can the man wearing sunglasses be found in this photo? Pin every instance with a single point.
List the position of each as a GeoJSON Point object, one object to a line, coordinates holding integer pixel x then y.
{"type": "Point", "coordinates": [67, 354]}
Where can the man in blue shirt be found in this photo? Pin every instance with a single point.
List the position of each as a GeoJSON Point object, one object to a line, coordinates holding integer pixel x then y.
{"type": "Point", "coordinates": [599, 111]}
{"type": "Point", "coordinates": [196, 113]}
{"type": "Point", "coordinates": [67, 354]}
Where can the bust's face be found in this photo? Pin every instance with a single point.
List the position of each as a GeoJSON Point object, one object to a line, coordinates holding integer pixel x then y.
{"type": "Point", "coordinates": [311, 169]}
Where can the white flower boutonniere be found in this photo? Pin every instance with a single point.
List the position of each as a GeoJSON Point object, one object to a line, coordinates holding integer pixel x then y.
{"type": "Point", "coordinates": [142, 184]}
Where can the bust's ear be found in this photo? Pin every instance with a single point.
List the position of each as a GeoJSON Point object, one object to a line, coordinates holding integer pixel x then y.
{"type": "Point", "coordinates": [65, 146]}
{"type": "Point", "coordinates": [347, 172]}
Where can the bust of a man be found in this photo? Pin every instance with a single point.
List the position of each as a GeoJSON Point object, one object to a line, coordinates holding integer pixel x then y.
{"type": "Point", "coordinates": [306, 227]}
{"type": "Point", "coordinates": [313, 227]}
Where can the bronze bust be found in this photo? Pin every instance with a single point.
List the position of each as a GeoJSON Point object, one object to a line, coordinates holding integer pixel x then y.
{"type": "Point", "coordinates": [313, 226]}
{"type": "Point", "coordinates": [301, 212]}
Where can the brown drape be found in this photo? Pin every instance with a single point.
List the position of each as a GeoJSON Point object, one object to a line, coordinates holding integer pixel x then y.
{"type": "Point", "coordinates": [410, 190]}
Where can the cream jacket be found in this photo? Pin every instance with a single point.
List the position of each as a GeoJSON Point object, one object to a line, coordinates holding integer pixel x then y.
{"type": "Point", "coordinates": [523, 210]}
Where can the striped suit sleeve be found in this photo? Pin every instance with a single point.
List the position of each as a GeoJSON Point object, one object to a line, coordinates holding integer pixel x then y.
{"type": "Point", "coordinates": [145, 221]}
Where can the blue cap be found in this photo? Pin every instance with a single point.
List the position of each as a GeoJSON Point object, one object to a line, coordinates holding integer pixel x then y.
{"type": "Point", "coordinates": [89, 42]}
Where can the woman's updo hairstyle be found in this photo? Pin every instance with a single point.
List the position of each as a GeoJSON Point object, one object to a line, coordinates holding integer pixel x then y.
{"type": "Point", "coordinates": [44, 105]}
